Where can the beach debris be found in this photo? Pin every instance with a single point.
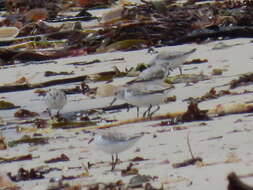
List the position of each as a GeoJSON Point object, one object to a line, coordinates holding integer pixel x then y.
{"type": "Point", "coordinates": [117, 107]}
{"type": "Point", "coordinates": [60, 185]}
{"type": "Point", "coordinates": [213, 94]}
{"type": "Point", "coordinates": [36, 14]}
{"type": "Point", "coordinates": [25, 175]}
{"type": "Point", "coordinates": [195, 61]}
{"type": "Point", "coordinates": [212, 138]}
{"type": "Point", "coordinates": [84, 174]}
{"type": "Point", "coordinates": [188, 162]}
{"type": "Point", "coordinates": [124, 45]}
{"type": "Point", "coordinates": [234, 183]}
{"type": "Point", "coordinates": [107, 186]}
{"type": "Point", "coordinates": [243, 80]}
{"type": "Point", "coordinates": [52, 73]}
{"type": "Point", "coordinates": [11, 88]}
{"type": "Point", "coordinates": [186, 78]}
{"type": "Point", "coordinates": [82, 63]}
{"type": "Point", "coordinates": [170, 99]}
{"type": "Point", "coordinates": [23, 113]}
{"type": "Point", "coordinates": [8, 33]}
{"type": "Point", "coordinates": [138, 159]}
{"type": "Point", "coordinates": [28, 139]}
{"type": "Point", "coordinates": [138, 181]}
{"type": "Point", "coordinates": [4, 105]}
{"type": "Point", "coordinates": [193, 113]}
{"type": "Point", "coordinates": [6, 183]}
{"type": "Point", "coordinates": [217, 72]}
{"type": "Point", "coordinates": [40, 123]}
{"type": "Point", "coordinates": [15, 158]}
{"type": "Point", "coordinates": [107, 75]}
{"type": "Point", "coordinates": [221, 110]}
{"type": "Point", "coordinates": [3, 145]}
{"type": "Point", "coordinates": [129, 170]}
{"type": "Point", "coordinates": [191, 161]}
{"type": "Point", "coordinates": [72, 124]}
{"type": "Point", "coordinates": [61, 158]}
{"type": "Point", "coordinates": [148, 186]}
{"type": "Point", "coordinates": [22, 80]}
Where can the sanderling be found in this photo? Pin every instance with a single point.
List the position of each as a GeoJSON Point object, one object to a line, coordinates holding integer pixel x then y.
{"type": "Point", "coordinates": [55, 100]}
{"type": "Point", "coordinates": [173, 59]}
{"type": "Point", "coordinates": [113, 143]}
{"type": "Point", "coordinates": [155, 72]}
{"type": "Point", "coordinates": [142, 95]}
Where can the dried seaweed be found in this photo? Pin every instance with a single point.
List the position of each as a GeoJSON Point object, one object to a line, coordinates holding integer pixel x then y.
{"type": "Point", "coordinates": [16, 158]}
{"type": "Point", "coordinates": [3, 145]}
{"type": "Point", "coordinates": [40, 123]}
{"type": "Point", "coordinates": [25, 175]}
{"type": "Point", "coordinates": [193, 113]}
{"type": "Point", "coordinates": [72, 125]}
{"type": "Point", "coordinates": [188, 162]}
{"type": "Point", "coordinates": [13, 88]}
{"type": "Point", "coordinates": [243, 80]}
{"type": "Point", "coordinates": [234, 183]}
{"type": "Point", "coordinates": [28, 139]}
{"type": "Point", "coordinates": [186, 78]}
{"type": "Point", "coordinates": [196, 61]}
{"type": "Point", "coordinates": [107, 186]}
{"type": "Point", "coordinates": [138, 159]}
{"type": "Point", "coordinates": [61, 158]}
{"type": "Point", "coordinates": [149, 24]}
{"type": "Point", "coordinates": [129, 170]}
{"type": "Point", "coordinates": [4, 105]}
{"type": "Point", "coordinates": [51, 73]}
{"type": "Point", "coordinates": [23, 113]}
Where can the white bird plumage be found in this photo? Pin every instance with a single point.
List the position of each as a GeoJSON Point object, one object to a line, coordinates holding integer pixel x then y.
{"type": "Point", "coordinates": [173, 59]}
{"type": "Point", "coordinates": [113, 143]}
{"type": "Point", "coordinates": [143, 94]}
{"type": "Point", "coordinates": [55, 99]}
{"type": "Point", "coordinates": [155, 72]}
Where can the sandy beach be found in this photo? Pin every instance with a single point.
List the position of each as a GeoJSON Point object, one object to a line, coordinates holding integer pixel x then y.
{"type": "Point", "coordinates": [224, 142]}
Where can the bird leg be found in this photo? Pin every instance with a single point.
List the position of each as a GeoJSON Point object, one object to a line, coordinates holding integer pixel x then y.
{"type": "Point", "coordinates": [180, 70]}
{"type": "Point", "coordinates": [58, 114]}
{"type": "Point", "coordinates": [113, 101]}
{"type": "Point", "coordinates": [49, 112]}
{"type": "Point", "coordinates": [138, 110]}
{"type": "Point", "coordinates": [113, 163]}
{"type": "Point", "coordinates": [128, 107]}
{"type": "Point", "coordinates": [158, 107]}
{"type": "Point", "coordinates": [147, 112]}
{"type": "Point", "coordinates": [117, 160]}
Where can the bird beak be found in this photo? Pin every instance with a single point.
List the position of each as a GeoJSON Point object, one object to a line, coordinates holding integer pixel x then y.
{"type": "Point", "coordinates": [90, 140]}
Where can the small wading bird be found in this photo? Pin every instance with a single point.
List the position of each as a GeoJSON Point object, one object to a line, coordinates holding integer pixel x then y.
{"type": "Point", "coordinates": [139, 95]}
{"type": "Point", "coordinates": [55, 99]}
{"type": "Point", "coordinates": [173, 59]}
{"type": "Point", "coordinates": [114, 143]}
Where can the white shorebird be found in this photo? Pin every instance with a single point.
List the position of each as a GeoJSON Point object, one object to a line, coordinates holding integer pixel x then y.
{"type": "Point", "coordinates": [142, 95]}
{"type": "Point", "coordinates": [173, 59]}
{"type": "Point", "coordinates": [55, 100]}
{"type": "Point", "coordinates": [155, 72]}
{"type": "Point", "coordinates": [113, 143]}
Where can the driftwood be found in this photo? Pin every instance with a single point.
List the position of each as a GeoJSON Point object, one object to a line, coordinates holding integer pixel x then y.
{"type": "Point", "coordinates": [233, 32]}
{"type": "Point", "coordinates": [28, 86]}
{"type": "Point", "coordinates": [219, 110]}
{"type": "Point", "coordinates": [234, 183]}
